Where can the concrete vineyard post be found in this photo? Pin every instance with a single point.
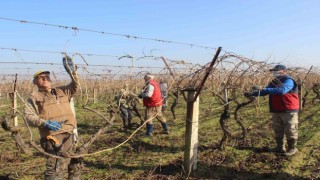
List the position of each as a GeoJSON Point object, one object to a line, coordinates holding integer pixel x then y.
{"type": "Point", "coordinates": [191, 137]}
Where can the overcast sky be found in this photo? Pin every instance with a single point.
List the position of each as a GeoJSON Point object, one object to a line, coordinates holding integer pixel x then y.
{"type": "Point", "coordinates": [284, 31]}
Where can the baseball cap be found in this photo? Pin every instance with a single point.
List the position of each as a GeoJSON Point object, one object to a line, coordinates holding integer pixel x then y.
{"type": "Point", "coordinates": [40, 72]}
{"type": "Point", "coordinates": [278, 68]}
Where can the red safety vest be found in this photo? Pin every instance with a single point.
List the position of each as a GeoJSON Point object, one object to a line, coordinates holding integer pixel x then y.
{"type": "Point", "coordinates": [156, 99]}
{"type": "Point", "coordinates": [288, 102]}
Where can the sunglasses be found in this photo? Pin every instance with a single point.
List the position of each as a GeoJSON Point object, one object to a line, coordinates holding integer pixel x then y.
{"type": "Point", "coordinates": [43, 78]}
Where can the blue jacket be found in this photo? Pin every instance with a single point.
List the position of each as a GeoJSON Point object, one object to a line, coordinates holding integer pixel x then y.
{"type": "Point", "coordinates": [283, 94]}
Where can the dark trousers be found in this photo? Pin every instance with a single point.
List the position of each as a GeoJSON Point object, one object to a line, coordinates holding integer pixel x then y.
{"type": "Point", "coordinates": [126, 115]}
{"type": "Point", "coordinates": [57, 168]}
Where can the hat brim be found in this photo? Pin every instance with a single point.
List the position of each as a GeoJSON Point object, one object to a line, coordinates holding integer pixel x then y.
{"type": "Point", "coordinates": [41, 72]}
{"type": "Point", "coordinates": [274, 69]}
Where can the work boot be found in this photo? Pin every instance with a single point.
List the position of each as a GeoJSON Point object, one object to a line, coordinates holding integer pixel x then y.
{"type": "Point", "coordinates": [280, 148]}
{"type": "Point", "coordinates": [292, 143]}
{"type": "Point", "coordinates": [165, 128]}
{"type": "Point", "coordinates": [149, 130]}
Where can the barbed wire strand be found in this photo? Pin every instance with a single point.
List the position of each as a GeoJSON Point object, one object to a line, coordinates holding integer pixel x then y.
{"type": "Point", "coordinates": [80, 65]}
{"type": "Point", "coordinates": [97, 55]}
{"type": "Point", "coordinates": [107, 33]}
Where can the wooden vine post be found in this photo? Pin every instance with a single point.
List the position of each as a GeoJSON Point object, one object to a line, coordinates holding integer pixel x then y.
{"type": "Point", "coordinates": [13, 97]}
{"type": "Point", "coordinates": [225, 95]}
{"type": "Point", "coordinates": [15, 130]}
{"type": "Point", "coordinates": [192, 121]}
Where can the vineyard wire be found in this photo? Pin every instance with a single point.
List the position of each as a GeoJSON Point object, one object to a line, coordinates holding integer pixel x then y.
{"type": "Point", "coordinates": [75, 29]}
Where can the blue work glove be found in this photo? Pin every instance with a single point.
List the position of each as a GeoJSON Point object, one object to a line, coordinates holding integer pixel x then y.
{"type": "Point", "coordinates": [52, 125]}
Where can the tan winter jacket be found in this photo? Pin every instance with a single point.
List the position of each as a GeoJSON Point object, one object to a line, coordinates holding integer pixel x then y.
{"type": "Point", "coordinates": [54, 105]}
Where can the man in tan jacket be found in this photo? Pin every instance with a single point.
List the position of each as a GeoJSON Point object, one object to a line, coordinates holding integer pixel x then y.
{"type": "Point", "coordinates": [49, 110]}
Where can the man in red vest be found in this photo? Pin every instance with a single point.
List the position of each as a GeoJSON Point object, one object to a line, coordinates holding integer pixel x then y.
{"type": "Point", "coordinates": [284, 106]}
{"type": "Point", "coordinates": [152, 100]}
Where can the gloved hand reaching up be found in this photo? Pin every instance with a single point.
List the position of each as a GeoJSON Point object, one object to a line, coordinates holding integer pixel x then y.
{"type": "Point", "coordinates": [52, 125]}
{"type": "Point", "coordinates": [69, 66]}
